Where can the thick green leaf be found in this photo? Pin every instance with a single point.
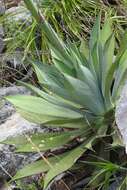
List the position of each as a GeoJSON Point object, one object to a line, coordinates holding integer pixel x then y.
{"type": "Point", "coordinates": [49, 120]}
{"type": "Point", "coordinates": [108, 70]}
{"type": "Point", "coordinates": [123, 45]}
{"type": "Point", "coordinates": [50, 141]}
{"type": "Point", "coordinates": [95, 59]}
{"type": "Point", "coordinates": [60, 65]}
{"type": "Point", "coordinates": [76, 56]}
{"type": "Point", "coordinates": [48, 76]}
{"type": "Point", "coordinates": [37, 167]}
{"type": "Point", "coordinates": [84, 49]}
{"type": "Point", "coordinates": [120, 75]}
{"type": "Point", "coordinates": [93, 53]}
{"type": "Point", "coordinates": [38, 118]}
{"type": "Point", "coordinates": [39, 106]}
{"type": "Point", "coordinates": [50, 97]}
{"type": "Point", "coordinates": [83, 95]}
{"type": "Point", "coordinates": [65, 93]}
{"type": "Point", "coordinates": [62, 87]}
{"type": "Point", "coordinates": [63, 165]}
{"type": "Point", "coordinates": [48, 73]}
{"type": "Point", "coordinates": [55, 43]}
{"type": "Point", "coordinates": [85, 75]}
{"type": "Point", "coordinates": [92, 67]}
{"type": "Point", "coordinates": [74, 123]}
{"type": "Point", "coordinates": [106, 30]}
{"type": "Point", "coordinates": [95, 33]}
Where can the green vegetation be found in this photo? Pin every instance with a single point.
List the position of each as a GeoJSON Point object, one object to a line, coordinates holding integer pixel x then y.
{"type": "Point", "coordinates": [78, 95]}
{"type": "Point", "coordinates": [78, 85]}
{"type": "Point", "coordinates": [70, 19]}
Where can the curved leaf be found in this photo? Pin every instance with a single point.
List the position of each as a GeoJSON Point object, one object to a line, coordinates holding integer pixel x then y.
{"type": "Point", "coordinates": [40, 107]}
{"type": "Point", "coordinates": [67, 161]}
{"type": "Point", "coordinates": [37, 167]}
{"type": "Point", "coordinates": [42, 142]}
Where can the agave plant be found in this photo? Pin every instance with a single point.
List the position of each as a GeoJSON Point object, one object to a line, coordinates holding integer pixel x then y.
{"type": "Point", "coordinates": [77, 94]}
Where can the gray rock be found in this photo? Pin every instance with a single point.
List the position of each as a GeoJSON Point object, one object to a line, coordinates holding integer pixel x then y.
{"type": "Point", "coordinates": [2, 45]}
{"type": "Point", "coordinates": [6, 109]}
{"type": "Point", "coordinates": [121, 115]}
{"type": "Point", "coordinates": [15, 125]}
{"type": "Point", "coordinates": [12, 124]}
{"type": "Point", "coordinates": [10, 162]}
{"type": "Point", "coordinates": [115, 185]}
{"type": "Point", "coordinates": [13, 90]}
{"type": "Point", "coordinates": [1, 31]}
{"type": "Point", "coordinates": [18, 14]}
{"type": "Point", "coordinates": [2, 9]}
{"type": "Point", "coordinates": [13, 60]}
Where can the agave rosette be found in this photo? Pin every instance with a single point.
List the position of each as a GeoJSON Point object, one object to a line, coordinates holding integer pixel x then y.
{"type": "Point", "coordinates": [77, 93]}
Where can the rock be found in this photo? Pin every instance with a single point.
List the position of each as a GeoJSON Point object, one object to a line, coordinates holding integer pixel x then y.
{"type": "Point", "coordinates": [18, 14]}
{"type": "Point", "coordinates": [13, 90]}
{"type": "Point", "coordinates": [115, 185]}
{"type": "Point", "coordinates": [121, 115]}
{"type": "Point", "coordinates": [10, 162]}
{"type": "Point", "coordinates": [1, 31]}
{"type": "Point", "coordinates": [2, 45]}
{"type": "Point", "coordinates": [2, 8]}
{"type": "Point", "coordinates": [14, 60]}
{"type": "Point", "coordinates": [16, 125]}
{"type": "Point", "coordinates": [6, 109]}
{"type": "Point", "coordinates": [12, 124]}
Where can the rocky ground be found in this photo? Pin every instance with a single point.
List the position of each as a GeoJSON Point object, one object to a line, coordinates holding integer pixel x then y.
{"type": "Point", "coordinates": [12, 124]}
